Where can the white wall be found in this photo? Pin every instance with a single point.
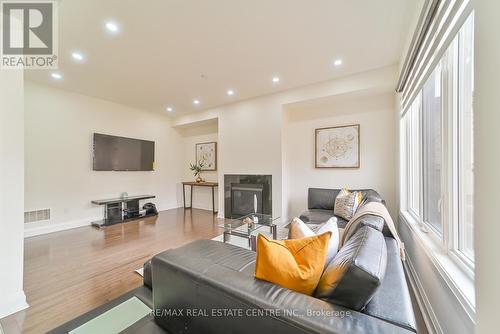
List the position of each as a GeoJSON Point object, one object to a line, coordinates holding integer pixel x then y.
{"type": "Point", "coordinates": [11, 192]}
{"type": "Point", "coordinates": [59, 127]}
{"type": "Point", "coordinates": [250, 132]}
{"type": "Point", "coordinates": [487, 164]}
{"type": "Point", "coordinates": [374, 114]}
{"type": "Point", "coordinates": [202, 196]}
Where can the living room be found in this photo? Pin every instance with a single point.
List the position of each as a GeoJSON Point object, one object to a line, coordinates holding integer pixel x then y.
{"type": "Point", "coordinates": [173, 142]}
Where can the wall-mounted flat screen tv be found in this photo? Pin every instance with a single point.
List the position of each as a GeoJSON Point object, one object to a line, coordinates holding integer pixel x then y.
{"type": "Point", "coordinates": [112, 153]}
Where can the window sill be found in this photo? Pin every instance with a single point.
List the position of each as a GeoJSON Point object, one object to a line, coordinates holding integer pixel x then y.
{"type": "Point", "coordinates": [455, 276]}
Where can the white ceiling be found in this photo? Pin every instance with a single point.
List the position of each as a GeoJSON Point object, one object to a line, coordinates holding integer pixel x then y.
{"type": "Point", "coordinates": [169, 52]}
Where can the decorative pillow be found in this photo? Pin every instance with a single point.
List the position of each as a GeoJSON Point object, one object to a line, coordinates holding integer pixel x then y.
{"type": "Point", "coordinates": [299, 229]}
{"type": "Point", "coordinates": [354, 275]}
{"type": "Point", "coordinates": [296, 264]}
{"type": "Point", "coordinates": [347, 203]}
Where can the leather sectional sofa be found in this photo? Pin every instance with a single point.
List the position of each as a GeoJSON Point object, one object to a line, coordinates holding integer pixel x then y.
{"type": "Point", "coordinates": [209, 287]}
{"type": "Point", "coordinates": [209, 275]}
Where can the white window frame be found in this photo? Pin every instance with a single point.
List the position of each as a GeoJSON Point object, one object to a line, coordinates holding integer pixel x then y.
{"type": "Point", "coordinates": [449, 240]}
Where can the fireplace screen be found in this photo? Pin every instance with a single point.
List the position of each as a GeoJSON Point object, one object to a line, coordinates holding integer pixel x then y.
{"type": "Point", "coordinates": [246, 199]}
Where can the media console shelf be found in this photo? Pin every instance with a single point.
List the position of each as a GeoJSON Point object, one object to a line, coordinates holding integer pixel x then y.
{"type": "Point", "coordinates": [120, 210]}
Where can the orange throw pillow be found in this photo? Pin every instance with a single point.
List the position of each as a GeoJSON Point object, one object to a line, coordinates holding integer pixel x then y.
{"type": "Point", "coordinates": [296, 264]}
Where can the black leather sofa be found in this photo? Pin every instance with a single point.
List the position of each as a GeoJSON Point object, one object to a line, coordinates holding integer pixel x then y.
{"type": "Point", "coordinates": [209, 287]}
{"type": "Point", "coordinates": [320, 206]}
{"type": "Point", "coordinates": [209, 275]}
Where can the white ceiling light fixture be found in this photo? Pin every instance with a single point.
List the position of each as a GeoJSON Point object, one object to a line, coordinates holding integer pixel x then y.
{"type": "Point", "coordinates": [196, 102]}
{"type": "Point", "coordinates": [170, 109]}
{"type": "Point", "coordinates": [112, 27]}
{"type": "Point", "coordinates": [337, 62]}
{"type": "Point", "coordinates": [230, 92]}
{"type": "Point", "coordinates": [276, 80]}
{"type": "Point", "coordinates": [77, 56]}
{"type": "Point", "coordinates": [57, 76]}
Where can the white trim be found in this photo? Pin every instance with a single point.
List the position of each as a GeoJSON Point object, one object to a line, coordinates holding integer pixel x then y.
{"type": "Point", "coordinates": [32, 231]}
{"type": "Point", "coordinates": [456, 278]}
{"type": "Point", "coordinates": [57, 227]}
{"type": "Point", "coordinates": [430, 319]}
{"type": "Point", "coordinates": [12, 303]}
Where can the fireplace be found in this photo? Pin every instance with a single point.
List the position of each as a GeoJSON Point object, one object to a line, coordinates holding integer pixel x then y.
{"type": "Point", "coordinates": [246, 198]}
{"type": "Point", "coordinates": [246, 194]}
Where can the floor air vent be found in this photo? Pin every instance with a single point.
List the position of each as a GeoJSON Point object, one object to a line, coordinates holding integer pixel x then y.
{"type": "Point", "coordinates": [36, 216]}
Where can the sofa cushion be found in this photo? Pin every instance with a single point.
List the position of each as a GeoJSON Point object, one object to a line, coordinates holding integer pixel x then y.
{"type": "Point", "coordinates": [354, 275]}
{"type": "Point", "coordinates": [298, 229]}
{"type": "Point", "coordinates": [319, 216]}
{"type": "Point", "coordinates": [375, 222]}
{"type": "Point", "coordinates": [295, 264]}
{"type": "Point", "coordinates": [323, 199]}
{"type": "Point", "coordinates": [346, 203]}
{"type": "Point", "coordinates": [392, 301]}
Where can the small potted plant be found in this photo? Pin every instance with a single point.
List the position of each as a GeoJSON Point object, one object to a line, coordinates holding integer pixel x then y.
{"type": "Point", "coordinates": [197, 169]}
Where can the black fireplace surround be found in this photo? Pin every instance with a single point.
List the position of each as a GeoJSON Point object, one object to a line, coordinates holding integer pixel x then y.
{"type": "Point", "coordinates": [245, 193]}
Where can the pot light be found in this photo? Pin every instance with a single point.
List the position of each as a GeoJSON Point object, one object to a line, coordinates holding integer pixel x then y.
{"type": "Point", "coordinates": [230, 92]}
{"type": "Point", "coordinates": [337, 62]}
{"type": "Point", "coordinates": [276, 79]}
{"type": "Point", "coordinates": [196, 102]}
{"type": "Point", "coordinates": [56, 76]}
{"type": "Point", "coordinates": [77, 56]}
{"type": "Point", "coordinates": [112, 27]}
{"type": "Point", "coordinates": [170, 109]}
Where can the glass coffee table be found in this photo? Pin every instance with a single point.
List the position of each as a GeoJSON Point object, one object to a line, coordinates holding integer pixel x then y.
{"type": "Point", "coordinates": [247, 227]}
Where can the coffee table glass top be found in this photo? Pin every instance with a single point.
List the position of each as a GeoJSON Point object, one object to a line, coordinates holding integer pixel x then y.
{"type": "Point", "coordinates": [250, 222]}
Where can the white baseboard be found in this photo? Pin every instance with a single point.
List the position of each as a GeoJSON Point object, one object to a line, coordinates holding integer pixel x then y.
{"type": "Point", "coordinates": [57, 227]}
{"type": "Point", "coordinates": [12, 303]}
{"type": "Point", "coordinates": [430, 319]}
{"type": "Point", "coordinates": [34, 230]}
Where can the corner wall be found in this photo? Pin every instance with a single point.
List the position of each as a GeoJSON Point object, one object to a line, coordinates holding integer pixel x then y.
{"type": "Point", "coordinates": [487, 164]}
{"type": "Point", "coordinates": [12, 298]}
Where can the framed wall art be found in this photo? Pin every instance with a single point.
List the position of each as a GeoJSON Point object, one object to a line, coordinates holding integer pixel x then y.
{"type": "Point", "coordinates": [337, 147]}
{"type": "Point", "coordinates": [207, 154]}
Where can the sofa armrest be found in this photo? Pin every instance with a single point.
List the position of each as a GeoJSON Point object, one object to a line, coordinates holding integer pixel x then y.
{"type": "Point", "coordinates": [207, 286]}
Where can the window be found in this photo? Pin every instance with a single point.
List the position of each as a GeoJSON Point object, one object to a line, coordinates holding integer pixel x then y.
{"type": "Point", "coordinates": [412, 131]}
{"type": "Point", "coordinates": [438, 151]}
{"type": "Point", "coordinates": [432, 109]}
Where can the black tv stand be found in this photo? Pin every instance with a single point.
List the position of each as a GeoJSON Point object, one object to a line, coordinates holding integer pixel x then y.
{"type": "Point", "coordinates": [121, 209]}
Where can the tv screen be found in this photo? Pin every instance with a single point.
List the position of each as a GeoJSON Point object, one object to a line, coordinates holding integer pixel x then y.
{"type": "Point", "coordinates": [112, 153]}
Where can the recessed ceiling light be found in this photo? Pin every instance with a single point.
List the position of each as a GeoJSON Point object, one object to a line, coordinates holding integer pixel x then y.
{"type": "Point", "coordinates": [112, 27]}
{"type": "Point", "coordinates": [170, 109]}
{"type": "Point", "coordinates": [196, 102]}
{"type": "Point", "coordinates": [276, 79]}
{"type": "Point", "coordinates": [77, 56]}
{"type": "Point", "coordinates": [337, 62]}
{"type": "Point", "coordinates": [230, 92]}
{"type": "Point", "coordinates": [56, 76]}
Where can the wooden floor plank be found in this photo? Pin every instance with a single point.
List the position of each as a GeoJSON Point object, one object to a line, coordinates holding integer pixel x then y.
{"type": "Point", "coordinates": [71, 272]}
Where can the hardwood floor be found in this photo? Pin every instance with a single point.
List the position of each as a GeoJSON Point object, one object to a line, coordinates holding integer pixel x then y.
{"type": "Point", "coordinates": [71, 272]}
